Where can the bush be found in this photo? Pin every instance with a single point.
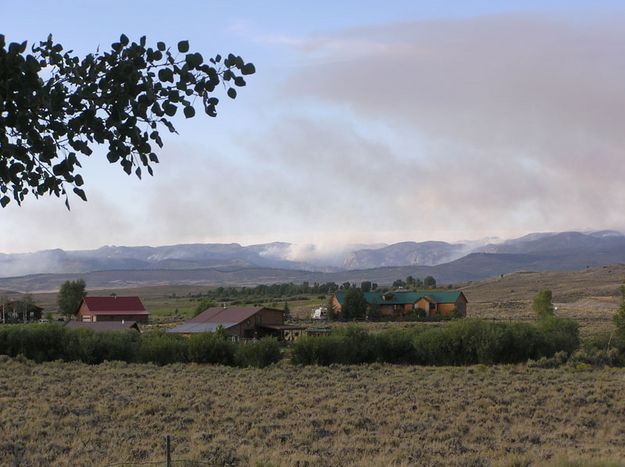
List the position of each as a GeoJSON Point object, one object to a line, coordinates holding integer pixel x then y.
{"type": "Point", "coordinates": [465, 342]}
{"type": "Point", "coordinates": [559, 334]}
{"type": "Point", "coordinates": [38, 342]}
{"type": "Point", "coordinates": [322, 350]}
{"type": "Point", "coordinates": [211, 348]}
{"type": "Point", "coordinates": [258, 354]}
{"type": "Point", "coordinates": [87, 346]}
{"type": "Point", "coordinates": [395, 345]}
{"type": "Point", "coordinates": [162, 349]}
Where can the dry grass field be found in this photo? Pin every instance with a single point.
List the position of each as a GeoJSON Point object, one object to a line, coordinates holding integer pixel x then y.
{"type": "Point", "coordinates": [73, 414]}
{"type": "Point", "coordinates": [590, 296]}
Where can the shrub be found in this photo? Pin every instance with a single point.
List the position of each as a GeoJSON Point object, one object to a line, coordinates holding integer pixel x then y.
{"type": "Point", "coordinates": [211, 348]}
{"type": "Point", "coordinates": [162, 348]}
{"type": "Point", "coordinates": [559, 334]}
{"type": "Point", "coordinates": [258, 354]}
{"type": "Point", "coordinates": [322, 350]}
{"type": "Point", "coordinates": [395, 345]}
{"type": "Point", "coordinates": [38, 342]}
{"type": "Point", "coordinates": [87, 346]}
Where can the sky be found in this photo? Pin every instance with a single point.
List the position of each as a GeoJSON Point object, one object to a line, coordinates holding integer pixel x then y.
{"type": "Point", "coordinates": [366, 122]}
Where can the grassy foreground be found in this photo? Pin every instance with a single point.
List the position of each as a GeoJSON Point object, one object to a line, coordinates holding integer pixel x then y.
{"type": "Point", "coordinates": [75, 414]}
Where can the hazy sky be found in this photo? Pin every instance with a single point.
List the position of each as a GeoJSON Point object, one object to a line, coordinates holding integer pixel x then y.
{"type": "Point", "coordinates": [367, 121]}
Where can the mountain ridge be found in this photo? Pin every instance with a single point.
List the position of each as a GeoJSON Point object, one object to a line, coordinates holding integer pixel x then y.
{"type": "Point", "coordinates": [232, 263]}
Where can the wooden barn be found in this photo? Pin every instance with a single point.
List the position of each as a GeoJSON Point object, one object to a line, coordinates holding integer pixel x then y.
{"type": "Point", "coordinates": [241, 323]}
{"type": "Point", "coordinates": [114, 308]}
{"type": "Point", "coordinates": [397, 303]}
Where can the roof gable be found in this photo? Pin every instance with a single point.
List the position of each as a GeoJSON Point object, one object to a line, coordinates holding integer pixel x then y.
{"type": "Point", "coordinates": [210, 320]}
{"type": "Point", "coordinates": [221, 315]}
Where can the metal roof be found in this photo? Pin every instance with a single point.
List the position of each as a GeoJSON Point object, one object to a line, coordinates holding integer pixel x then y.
{"type": "Point", "coordinates": [115, 305]}
{"type": "Point", "coordinates": [190, 328]}
{"type": "Point", "coordinates": [403, 298]}
{"type": "Point", "coordinates": [209, 320]}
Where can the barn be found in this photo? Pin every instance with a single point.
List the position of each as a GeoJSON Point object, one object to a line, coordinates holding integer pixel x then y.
{"type": "Point", "coordinates": [113, 308]}
{"type": "Point", "coordinates": [241, 323]}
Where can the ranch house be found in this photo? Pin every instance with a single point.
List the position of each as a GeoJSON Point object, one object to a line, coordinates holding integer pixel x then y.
{"type": "Point", "coordinates": [398, 303]}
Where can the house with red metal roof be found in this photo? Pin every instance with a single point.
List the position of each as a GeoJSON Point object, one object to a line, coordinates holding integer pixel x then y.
{"type": "Point", "coordinates": [113, 308]}
{"type": "Point", "coordinates": [241, 323]}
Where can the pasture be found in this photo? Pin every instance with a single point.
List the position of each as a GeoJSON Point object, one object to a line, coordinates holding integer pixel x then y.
{"type": "Point", "coordinates": [74, 414]}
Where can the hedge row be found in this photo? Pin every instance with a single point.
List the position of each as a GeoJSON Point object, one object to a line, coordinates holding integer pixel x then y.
{"type": "Point", "coordinates": [458, 343]}
{"type": "Point", "coordinates": [52, 342]}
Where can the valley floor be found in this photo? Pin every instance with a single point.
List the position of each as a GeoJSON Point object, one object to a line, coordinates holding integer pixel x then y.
{"type": "Point", "coordinates": [74, 414]}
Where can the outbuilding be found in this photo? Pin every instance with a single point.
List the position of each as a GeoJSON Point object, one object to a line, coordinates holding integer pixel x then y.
{"type": "Point", "coordinates": [240, 323]}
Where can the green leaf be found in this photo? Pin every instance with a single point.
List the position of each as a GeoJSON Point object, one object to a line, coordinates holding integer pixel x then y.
{"type": "Point", "coordinates": [4, 201]}
{"type": "Point", "coordinates": [232, 93]}
{"type": "Point", "coordinates": [183, 47]}
{"type": "Point", "coordinates": [189, 112]}
{"type": "Point", "coordinates": [80, 193]}
{"type": "Point", "coordinates": [161, 46]}
{"type": "Point", "coordinates": [123, 39]}
{"type": "Point", "coordinates": [248, 69]}
{"type": "Point", "coordinates": [170, 109]}
{"type": "Point", "coordinates": [165, 74]}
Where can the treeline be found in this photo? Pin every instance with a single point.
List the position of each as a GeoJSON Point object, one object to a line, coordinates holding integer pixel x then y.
{"type": "Point", "coordinates": [50, 342]}
{"type": "Point", "coordinates": [291, 289]}
{"type": "Point", "coordinates": [464, 342]}
{"type": "Point", "coordinates": [265, 292]}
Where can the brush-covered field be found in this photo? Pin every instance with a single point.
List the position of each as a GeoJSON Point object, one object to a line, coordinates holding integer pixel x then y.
{"type": "Point", "coordinates": [74, 414]}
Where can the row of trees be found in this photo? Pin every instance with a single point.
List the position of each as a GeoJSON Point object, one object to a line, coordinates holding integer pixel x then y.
{"type": "Point", "coordinates": [459, 343]}
{"type": "Point", "coordinates": [54, 342]}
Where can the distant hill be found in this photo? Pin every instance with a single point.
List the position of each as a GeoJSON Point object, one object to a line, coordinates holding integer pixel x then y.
{"type": "Point", "coordinates": [234, 264]}
{"type": "Point", "coordinates": [405, 254]}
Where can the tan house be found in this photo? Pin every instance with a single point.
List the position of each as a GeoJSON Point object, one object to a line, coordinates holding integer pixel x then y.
{"type": "Point", "coordinates": [397, 303]}
{"type": "Point", "coordinates": [94, 309]}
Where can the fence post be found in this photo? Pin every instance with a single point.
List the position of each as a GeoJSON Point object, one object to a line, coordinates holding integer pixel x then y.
{"type": "Point", "coordinates": [167, 451]}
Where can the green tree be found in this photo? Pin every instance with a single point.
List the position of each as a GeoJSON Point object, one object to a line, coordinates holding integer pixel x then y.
{"type": "Point", "coordinates": [287, 311]}
{"type": "Point", "coordinates": [429, 282]}
{"type": "Point", "coordinates": [399, 284]}
{"type": "Point", "coordinates": [542, 305]}
{"type": "Point", "coordinates": [374, 312]}
{"type": "Point", "coordinates": [365, 286]}
{"type": "Point", "coordinates": [619, 317]}
{"type": "Point", "coordinates": [330, 311]}
{"type": "Point", "coordinates": [70, 295]}
{"type": "Point", "coordinates": [55, 107]}
{"type": "Point", "coordinates": [203, 305]}
{"type": "Point", "coordinates": [354, 306]}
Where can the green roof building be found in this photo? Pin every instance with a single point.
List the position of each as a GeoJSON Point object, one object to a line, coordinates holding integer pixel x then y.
{"type": "Point", "coordinates": [399, 302]}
